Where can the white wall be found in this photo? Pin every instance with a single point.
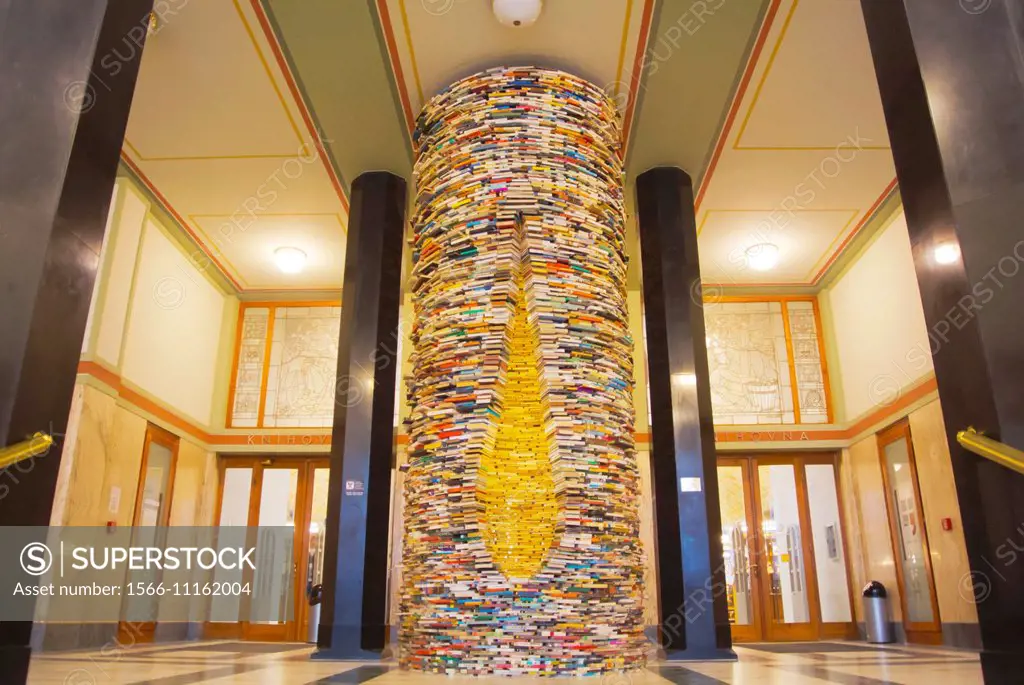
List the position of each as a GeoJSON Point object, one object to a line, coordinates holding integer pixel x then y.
{"type": "Point", "coordinates": [174, 328]}
{"type": "Point", "coordinates": [833, 585]}
{"type": "Point", "coordinates": [878, 326]}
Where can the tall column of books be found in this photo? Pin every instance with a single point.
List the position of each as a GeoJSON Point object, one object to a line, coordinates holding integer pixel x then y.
{"type": "Point", "coordinates": [522, 550]}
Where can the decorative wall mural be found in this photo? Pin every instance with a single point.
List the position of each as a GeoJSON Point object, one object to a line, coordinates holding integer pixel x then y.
{"type": "Point", "coordinates": [748, 363]}
{"type": "Point", "coordinates": [757, 350]}
{"type": "Point", "coordinates": [285, 371]}
{"type": "Point", "coordinates": [522, 550]}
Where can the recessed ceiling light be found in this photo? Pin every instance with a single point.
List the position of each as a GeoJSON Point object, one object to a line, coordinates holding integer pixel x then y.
{"type": "Point", "coordinates": [947, 253]}
{"type": "Point", "coordinates": [763, 256]}
{"type": "Point", "coordinates": [516, 12]}
{"type": "Point", "coordinates": [290, 260]}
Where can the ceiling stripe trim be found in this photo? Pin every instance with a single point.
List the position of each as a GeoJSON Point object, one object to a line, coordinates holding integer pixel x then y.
{"type": "Point", "coordinates": [304, 110]}
{"type": "Point", "coordinates": [741, 91]}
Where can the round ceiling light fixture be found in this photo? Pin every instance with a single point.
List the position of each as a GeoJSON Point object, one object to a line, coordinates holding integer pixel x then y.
{"type": "Point", "coordinates": [290, 260]}
{"type": "Point", "coordinates": [946, 253]}
{"type": "Point", "coordinates": [516, 12]}
{"type": "Point", "coordinates": [763, 256]}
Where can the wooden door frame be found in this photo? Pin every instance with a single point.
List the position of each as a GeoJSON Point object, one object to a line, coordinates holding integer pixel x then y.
{"type": "Point", "coordinates": [165, 438]}
{"type": "Point", "coordinates": [302, 609]}
{"type": "Point", "coordinates": [799, 460]}
{"type": "Point", "coordinates": [305, 465]}
{"type": "Point", "coordinates": [917, 631]}
{"type": "Point", "coordinates": [780, 631]}
{"type": "Point", "coordinates": [145, 632]}
{"type": "Point", "coordinates": [754, 631]}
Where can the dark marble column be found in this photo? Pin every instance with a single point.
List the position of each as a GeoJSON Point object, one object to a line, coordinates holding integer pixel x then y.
{"type": "Point", "coordinates": [952, 85]}
{"type": "Point", "coordinates": [67, 75]}
{"type": "Point", "coordinates": [353, 622]}
{"type": "Point", "coordinates": [693, 612]}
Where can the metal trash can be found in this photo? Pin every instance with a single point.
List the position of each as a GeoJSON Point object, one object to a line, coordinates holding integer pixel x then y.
{"type": "Point", "coordinates": [876, 614]}
{"type": "Point", "coordinates": [316, 595]}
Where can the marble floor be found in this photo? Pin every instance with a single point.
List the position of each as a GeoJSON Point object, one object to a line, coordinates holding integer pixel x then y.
{"type": "Point", "coordinates": [255, 663]}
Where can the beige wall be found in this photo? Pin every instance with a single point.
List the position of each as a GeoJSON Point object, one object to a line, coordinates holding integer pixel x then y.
{"type": "Point", "coordinates": [172, 337]}
{"type": "Point", "coordinates": [195, 486]}
{"type": "Point", "coordinates": [100, 465]}
{"type": "Point", "coordinates": [876, 325]}
{"type": "Point", "coordinates": [938, 496]}
{"type": "Point", "coordinates": [157, 319]}
{"type": "Point", "coordinates": [99, 471]}
{"type": "Point", "coordinates": [158, 324]}
{"type": "Point", "coordinates": [869, 539]}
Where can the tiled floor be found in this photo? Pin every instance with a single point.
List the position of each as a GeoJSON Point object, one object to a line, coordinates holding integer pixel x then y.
{"type": "Point", "coordinates": [240, 663]}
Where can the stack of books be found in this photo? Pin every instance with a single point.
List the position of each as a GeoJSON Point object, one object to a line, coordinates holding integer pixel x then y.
{"type": "Point", "coordinates": [522, 551]}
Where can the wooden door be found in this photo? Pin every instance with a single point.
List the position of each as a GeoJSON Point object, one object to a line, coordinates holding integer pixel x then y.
{"type": "Point", "coordinates": [279, 487]}
{"type": "Point", "coordinates": [788, 583]}
{"type": "Point", "coordinates": [784, 514]}
{"type": "Point", "coordinates": [740, 547]}
{"type": "Point", "coordinates": [278, 491]}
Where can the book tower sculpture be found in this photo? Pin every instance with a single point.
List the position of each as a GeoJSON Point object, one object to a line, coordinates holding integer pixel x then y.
{"type": "Point", "coordinates": [522, 549]}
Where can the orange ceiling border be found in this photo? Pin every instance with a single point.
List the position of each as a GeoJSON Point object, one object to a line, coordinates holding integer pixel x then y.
{"type": "Point", "coordinates": [638, 62]}
{"type": "Point", "coordinates": [275, 47]}
{"type": "Point", "coordinates": [737, 100]}
{"type": "Point", "coordinates": [207, 249]}
{"type": "Point", "coordinates": [268, 71]}
{"type": "Point", "coordinates": [412, 51]}
{"type": "Point", "coordinates": [250, 289]}
{"type": "Point", "coordinates": [396, 63]}
{"type": "Point", "coordinates": [767, 70]}
{"type": "Point", "coordinates": [843, 235]}
{"type": "Point", "coordinates": [757, 96]}
{"type": "Point", "coordinates": [751, 67]}
{"type": "Point", "coordinates": [856, 230]}
{"type": "Point", "coordinates": [273, 85]}
{"type": "Point", "coordinates": [169, 208]}
{"type": "Point", "coordinates": [623, 45]}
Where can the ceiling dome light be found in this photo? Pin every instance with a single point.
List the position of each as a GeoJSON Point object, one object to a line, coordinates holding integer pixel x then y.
{"type": "Point", "coordinates": [763, 256]}
{"type": "Point", "coordinates": [516, 12]}
{"type": "Point", "coordinates": [946, 253]}
{"type": "Point", "coordinates": [290, 260]}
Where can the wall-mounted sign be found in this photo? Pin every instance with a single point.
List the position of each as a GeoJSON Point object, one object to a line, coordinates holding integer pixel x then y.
{"type": "Point", "coordinates": [689, 485]}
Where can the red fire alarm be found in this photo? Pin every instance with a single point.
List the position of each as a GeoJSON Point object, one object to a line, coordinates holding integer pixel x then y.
{"type": "Point", "coordinates": [947, 524]}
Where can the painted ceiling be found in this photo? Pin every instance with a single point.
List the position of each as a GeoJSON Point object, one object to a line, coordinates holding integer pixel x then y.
{"type": "Point", "coordinates": [252, 117]}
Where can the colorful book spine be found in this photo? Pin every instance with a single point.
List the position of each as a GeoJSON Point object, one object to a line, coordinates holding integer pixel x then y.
{"type": "Point", "coordinates": [521, 550]}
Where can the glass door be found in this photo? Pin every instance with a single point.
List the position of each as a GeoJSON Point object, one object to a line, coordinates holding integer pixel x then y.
{"type": "Point", "coordinates": [152, 515]}
{"type": "Point", "coordinates": [312, 572]}
{"type": "Point", "coordinates": [785, 563]}
{"type": "Point", "coordinates": [236, 502]}
{"type": "Point", "coordinates": [274, 587]}
{"type": "Point", "coordinates": [275, 492]}
{"type": "Point", "coordinates": [785, 584]}
{"type": "Point", "coordinates": [909, 536]}
{"type": "Point", "coordinates": [739, 546]}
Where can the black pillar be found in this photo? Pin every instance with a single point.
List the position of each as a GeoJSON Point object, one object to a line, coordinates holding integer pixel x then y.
{"type": "Point", "coordinates": [67, 76]}
{"type": "Point", "coordinates": [950, 76]}
{"type": "Point", "coordinates": [353, 621]}
{"type": "Point", "coordinates": [691, 576]}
